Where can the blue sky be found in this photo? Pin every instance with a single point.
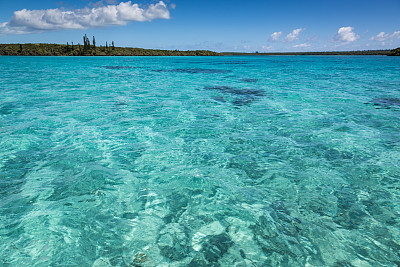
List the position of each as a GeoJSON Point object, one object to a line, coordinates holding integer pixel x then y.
{"type": "Point", "coordinates": [219, 25]}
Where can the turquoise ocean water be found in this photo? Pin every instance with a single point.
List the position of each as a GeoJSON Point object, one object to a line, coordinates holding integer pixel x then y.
{"type": "Point", "coordinates": [189, 161]}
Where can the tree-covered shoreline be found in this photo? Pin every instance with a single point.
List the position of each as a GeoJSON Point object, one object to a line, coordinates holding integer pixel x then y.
{"type": "Point", "coordinates": [90, 49]}
{"type": "Point", "coordinates": [395, 52]}
{"type": "Point", "coordinates": [86, 50]}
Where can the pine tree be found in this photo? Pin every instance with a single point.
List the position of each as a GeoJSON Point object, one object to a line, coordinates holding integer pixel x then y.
{"type": "Point", "coordinates": [20, 48]}
{"type": "Point", "coordinates": [84, 42]}
{"type": "Point", "coordinates": [87, 42]}
{"type": "Point", "coordinates": [113, 47]}
{"type": "Point", "coordinates": [94, 44]}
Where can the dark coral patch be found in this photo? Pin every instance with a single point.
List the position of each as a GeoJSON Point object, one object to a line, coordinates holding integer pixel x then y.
{"type": "Point", "coordinates": [216, 246]}
{"type": "Point", "coordinates": [7, 108]}
{"type": "Point", "coordinates": [195, 71]}
{"type": "Point", "coordinates": [236, 91]}
{"type": "Point", "coordinates": [242, 97]}
{"type": "Point", "coordinates": [118, 67]}
{"type": "Point", "coordinates": [249, 80]}
{"type": "Point", "coordinates": [386, 102]}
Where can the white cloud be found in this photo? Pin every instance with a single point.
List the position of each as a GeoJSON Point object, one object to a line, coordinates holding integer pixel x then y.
{"type": "Point", "coordinates": [28, 21]}
{"type": "Point", "coordinates": [395, 35]}
{"type": "Point", "coordinates": [305, 45]}
{"type": "Point", "coordinates": [346, 34]}
{"type": "Point", "coordinates": [382, 36]}
{"type": "Point", "coordinates": [385, 36]}
{"type": "Point", "coordinates": [294, 35]}
{"type": "Point", "coordinates": [275, 36]}
{"type": "Point", "coordinates": [266, 48]}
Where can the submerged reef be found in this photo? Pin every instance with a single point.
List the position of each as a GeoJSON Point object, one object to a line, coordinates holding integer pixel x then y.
{"type": "Point", "coordinates": [241, 97]}
{"type": "Point", "coordinates": [194, 70]}
{"type": "Point", "coordinates": [386, 102]}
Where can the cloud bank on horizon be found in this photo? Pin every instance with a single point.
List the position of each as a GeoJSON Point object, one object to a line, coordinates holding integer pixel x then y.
{"type": "Point", "coordinates": [30, 21]}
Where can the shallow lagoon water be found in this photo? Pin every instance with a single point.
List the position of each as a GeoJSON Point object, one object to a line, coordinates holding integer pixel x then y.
{"type": "Point", "coordinates": [189, 161]}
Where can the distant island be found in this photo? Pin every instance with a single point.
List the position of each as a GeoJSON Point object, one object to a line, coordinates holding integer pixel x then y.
{"type": "Point", "coordinates": [394, 52]}
{"type": "Point", "coordinates": [91, 49]}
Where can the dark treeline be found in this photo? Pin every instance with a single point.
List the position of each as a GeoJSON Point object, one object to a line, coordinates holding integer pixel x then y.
{"type": "Point", "coordinates": [328, 53]}
{"type": "Point", "coordinates": [92, 50]}
{"type": "Point", "coordinates": [395, 52]}
{"type": "Point", "coordinates": [109, 49]}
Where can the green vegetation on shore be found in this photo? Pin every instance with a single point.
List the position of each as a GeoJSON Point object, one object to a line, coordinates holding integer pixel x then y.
{"type": "Point", "coordinates": [83, 50]}
{"type": "Point", "coordinates": [395, 52]}
{"type": "Point", "coordinates": [90, 49]}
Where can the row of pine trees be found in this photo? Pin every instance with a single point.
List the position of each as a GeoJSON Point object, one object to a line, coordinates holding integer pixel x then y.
{"type": "Point", "coordinates": [88, 48]}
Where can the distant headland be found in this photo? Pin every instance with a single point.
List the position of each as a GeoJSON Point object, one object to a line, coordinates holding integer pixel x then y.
{"type": "Point", "coordinates": [109, 49]}
{"type": "Point", "coordinates": [388, 52]}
